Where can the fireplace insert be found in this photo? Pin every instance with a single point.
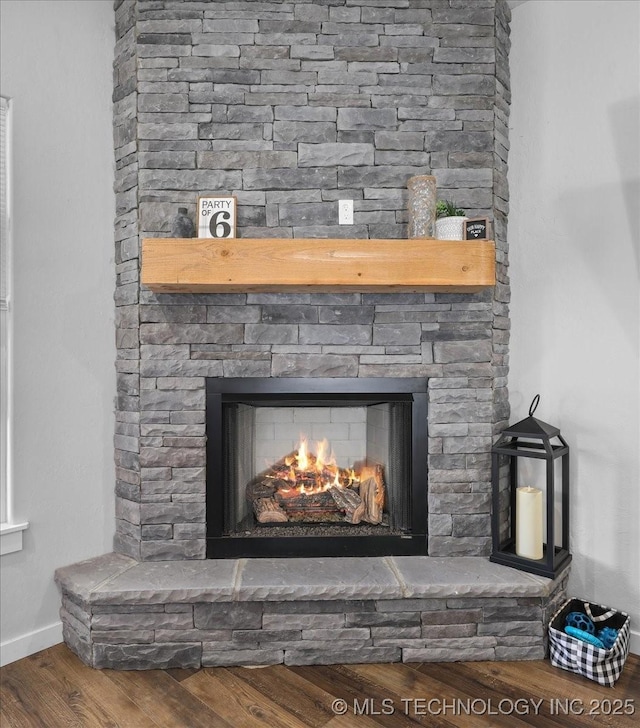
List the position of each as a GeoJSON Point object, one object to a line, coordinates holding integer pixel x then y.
{"type": "Point", "coordinates": [316, 467]}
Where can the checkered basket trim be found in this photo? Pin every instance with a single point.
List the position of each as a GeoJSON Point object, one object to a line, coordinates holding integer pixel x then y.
{"type": "Point", "coordinates": [569, 653]}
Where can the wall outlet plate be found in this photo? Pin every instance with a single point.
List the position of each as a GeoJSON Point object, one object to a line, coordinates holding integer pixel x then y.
{"type": "Point", "coordinates": [345, 212]}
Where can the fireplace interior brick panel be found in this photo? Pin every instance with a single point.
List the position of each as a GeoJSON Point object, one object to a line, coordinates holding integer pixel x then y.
{"type": "Point", "coordinates": [291, 106]}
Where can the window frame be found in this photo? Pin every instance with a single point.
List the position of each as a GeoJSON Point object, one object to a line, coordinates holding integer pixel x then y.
{"type": "Point", "coordinates": [10, 530]}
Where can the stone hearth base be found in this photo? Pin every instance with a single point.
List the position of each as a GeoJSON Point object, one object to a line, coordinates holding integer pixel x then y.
{"type": "Point", "coordinates": [119, 613]}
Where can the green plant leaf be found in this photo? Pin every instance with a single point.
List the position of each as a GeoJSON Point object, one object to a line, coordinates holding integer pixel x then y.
{"type": "Point", "coordinates": [446, 208]}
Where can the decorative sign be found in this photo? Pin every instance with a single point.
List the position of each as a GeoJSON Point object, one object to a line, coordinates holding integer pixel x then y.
{"type": "Point", "coordinates": [216, 217]}
{"type": "Point", "coordinates": [476, 228]}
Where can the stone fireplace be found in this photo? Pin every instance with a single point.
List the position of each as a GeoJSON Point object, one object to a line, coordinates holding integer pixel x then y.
{"type": "Point", "coordinates": [291, 106]}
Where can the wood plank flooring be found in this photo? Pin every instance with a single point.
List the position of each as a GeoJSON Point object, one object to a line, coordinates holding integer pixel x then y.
{"type": "Point", "coordinates": [54, 689]}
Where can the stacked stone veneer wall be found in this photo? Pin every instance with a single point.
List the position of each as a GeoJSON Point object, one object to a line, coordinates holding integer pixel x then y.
{"type": "Point", "coordinates": [119, 613]}
{"type": "Point", "coordinates": [292, 106]}
{"type": "Point", "coordinates": [155, 636]}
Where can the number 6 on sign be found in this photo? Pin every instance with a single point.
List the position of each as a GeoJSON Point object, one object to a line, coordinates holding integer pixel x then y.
{"type": "Point", "coordinates": [216, 217]}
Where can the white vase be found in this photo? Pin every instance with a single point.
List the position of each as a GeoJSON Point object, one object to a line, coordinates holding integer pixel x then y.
{"type": "Point", "coordinates": [450, 228]}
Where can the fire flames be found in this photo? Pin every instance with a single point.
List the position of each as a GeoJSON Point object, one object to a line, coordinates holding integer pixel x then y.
{"type": "Point", "coordinates": [310, 487]}
{"type": "Point", "coordinates": [307, 473]}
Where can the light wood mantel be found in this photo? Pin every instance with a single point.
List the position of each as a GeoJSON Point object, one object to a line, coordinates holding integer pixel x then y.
{"type": "Point", "coordinates": [209, 265]}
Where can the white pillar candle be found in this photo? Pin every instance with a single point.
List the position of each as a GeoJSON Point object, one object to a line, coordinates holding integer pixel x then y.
{"type": "Point", "coordinates": [529, 523]}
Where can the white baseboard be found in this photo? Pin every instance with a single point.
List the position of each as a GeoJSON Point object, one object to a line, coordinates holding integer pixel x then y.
{"type": "Point", "coordinates": [635, 642]}
{"type": "Point", "coordinates": [29, 643]}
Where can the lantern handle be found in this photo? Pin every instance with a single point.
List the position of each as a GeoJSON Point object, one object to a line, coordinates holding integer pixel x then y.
{"type": "Point", "coordinates": [534, 405]}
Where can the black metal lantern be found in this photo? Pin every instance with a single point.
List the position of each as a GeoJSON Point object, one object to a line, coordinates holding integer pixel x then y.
{"type": "Point", "coordinates": [528, 534]}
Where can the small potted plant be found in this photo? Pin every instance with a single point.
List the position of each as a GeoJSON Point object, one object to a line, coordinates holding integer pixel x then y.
{"type": "Point", "coordinates": [449, 221]}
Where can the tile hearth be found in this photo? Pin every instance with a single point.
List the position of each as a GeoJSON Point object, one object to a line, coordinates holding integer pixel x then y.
{"type": "Point", "coordinates": [120, 613]}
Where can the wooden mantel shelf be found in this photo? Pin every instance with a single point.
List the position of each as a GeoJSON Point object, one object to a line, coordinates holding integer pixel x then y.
{"type": "Point", "coordinates": [206, 265]}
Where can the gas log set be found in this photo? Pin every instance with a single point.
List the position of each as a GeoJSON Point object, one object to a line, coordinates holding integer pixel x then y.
{"type": "Point", "coordinates": [306, 487]}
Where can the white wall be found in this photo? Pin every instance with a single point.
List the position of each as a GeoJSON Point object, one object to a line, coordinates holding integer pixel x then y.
{"type": "Point", "coordinates": [56, 67]}
{"type": "Point", "coordinates": [574, 175]}
{"type": "Point", "coordinates": [574, 266]}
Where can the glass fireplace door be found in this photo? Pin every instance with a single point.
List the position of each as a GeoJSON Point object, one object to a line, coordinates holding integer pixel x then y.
{"type": "Point", "coordinates": [322, 465]}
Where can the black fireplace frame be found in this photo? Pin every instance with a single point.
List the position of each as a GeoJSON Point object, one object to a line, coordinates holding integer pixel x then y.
{"type": "Point", "coordinates": [315, 390]}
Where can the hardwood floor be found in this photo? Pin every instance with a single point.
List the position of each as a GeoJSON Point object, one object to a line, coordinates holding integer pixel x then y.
{"type": "Point", "coordinates": [53, 688]}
